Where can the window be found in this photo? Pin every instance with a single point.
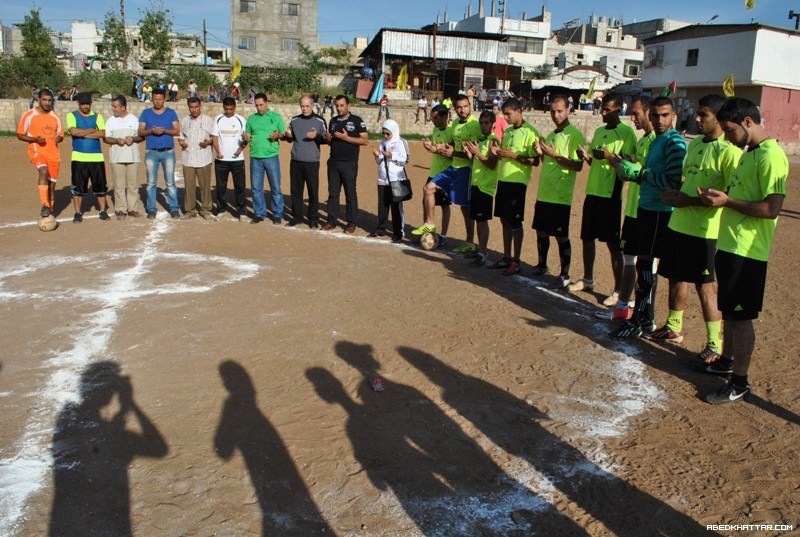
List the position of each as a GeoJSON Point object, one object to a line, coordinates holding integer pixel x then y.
{"type": "Point", "coordinates": [609, 37]}
{"type": "Point", "coordinates": [632, 70]}
{"type": "Point", "coordinates": [247, 6]}
{"type": "Point", "coordinates": [292, 10]}
{"type": "Point", "coordinates": [691, 56]}
{"type": "Point", "coordinates": [579, 56]}
{"type": "Point", "coordinates": [290, 44]}
{"type": "Point", "coordinates": [247, 42]}
{"type": "Point", "coordinates": [528, 45]}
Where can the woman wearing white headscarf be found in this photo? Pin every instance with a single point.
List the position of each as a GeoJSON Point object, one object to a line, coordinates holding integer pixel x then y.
{"type": "Point", "coordinates": [391, 157]}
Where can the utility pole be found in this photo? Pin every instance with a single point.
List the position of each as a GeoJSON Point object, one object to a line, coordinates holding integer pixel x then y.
{"type": "Point", "coordinates": [205, 45]}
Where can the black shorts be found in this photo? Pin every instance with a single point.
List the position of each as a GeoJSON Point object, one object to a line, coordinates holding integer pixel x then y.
{"type": "Point", "coordinates": [627, 240]}
{"type": "Point", "coordinates": [601, 219]}
{"type": "Point", "coordinates": [740, 295]}
{"type": "Point", "coordinates": [551, 218]}
{"type": "Point", "coordinates": [509, 202]}
{"type": "Point", "coordinates": [687, 258]}
{"type": "Point", "coordinates": [651, 232]}
{"type": "Point", "coordinates": [441, 199]}
{"type": "Point", "coordinates": [480, 205]}
{"type": "Point", "coordinates": [83, 172]}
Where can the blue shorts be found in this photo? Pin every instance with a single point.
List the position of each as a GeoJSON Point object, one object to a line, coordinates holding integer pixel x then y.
{"type": "Point", "coordinates": [455, 183]}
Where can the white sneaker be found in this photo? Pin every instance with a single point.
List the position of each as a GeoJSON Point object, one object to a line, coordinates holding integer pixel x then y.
{"type": "Point", "coordinates": [581, 285]}
{"type": "Point", "coordinates": [612, 299]}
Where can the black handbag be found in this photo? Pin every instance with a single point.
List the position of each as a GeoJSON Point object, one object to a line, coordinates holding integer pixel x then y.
{"type": "Point", "coordinates": [401, 190]}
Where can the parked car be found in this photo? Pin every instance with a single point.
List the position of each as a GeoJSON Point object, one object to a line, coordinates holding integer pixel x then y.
{"type": "Point", "coordinates": [497, 94]}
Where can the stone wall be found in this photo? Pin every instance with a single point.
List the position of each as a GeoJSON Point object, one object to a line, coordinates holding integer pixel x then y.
{"type": "Point", "coordinates": [12, 109]}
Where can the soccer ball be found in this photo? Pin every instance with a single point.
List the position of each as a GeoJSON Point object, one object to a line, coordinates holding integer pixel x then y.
{"type": "Point", "coordinates": [428, 241]}
{"type": "Point", "coordinates": [48, 223]}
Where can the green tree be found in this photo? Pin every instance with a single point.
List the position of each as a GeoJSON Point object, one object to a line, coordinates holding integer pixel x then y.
{"type": "Point", "coordinates": [335, 60]}
{"type": "Point", "coordinates": [154, 29]}
{"type": "Point", "coordinates": [540, 72]}
{"type": "Point", "coordinates": [115, 45]}
{"type": "Point", "coordinates": [36, 45]}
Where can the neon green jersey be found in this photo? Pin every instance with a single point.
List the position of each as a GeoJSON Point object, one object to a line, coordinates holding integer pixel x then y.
{"type": "Point", "coordinates": [468, 130]}
{"type": "Point", "coordinates": [602, 181]}
{"type": "Point", "coordinates": [440, 163]}
{"type": "Point", "coordinates": [557, 183]}
{"type": "Point", "coordinates": [707, 165]}
{"type": "Point", "coordinates": [762, 172]}
{"type": "Point", "coordinates": [86, 156]}
{"type": "Point", "coordinates": [520, 140]}
{"type": "Point", "coordinates": [632, 200]}
{"type": "Point", "coordinates": [483, 177]}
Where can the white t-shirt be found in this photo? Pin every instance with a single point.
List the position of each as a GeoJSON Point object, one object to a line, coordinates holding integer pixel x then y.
{"type": "Point", "coordinates": [122, 127]}
{"type": "Point", "coordinates": [229, 130]}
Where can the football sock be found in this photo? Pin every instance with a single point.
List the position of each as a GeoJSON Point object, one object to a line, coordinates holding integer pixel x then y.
{"type": "Point", "coordinates": [44, 195]}
{"type": "Point", "coordinates": [713, 329]}
{"type": "Point", "coordinates": [675, 320]}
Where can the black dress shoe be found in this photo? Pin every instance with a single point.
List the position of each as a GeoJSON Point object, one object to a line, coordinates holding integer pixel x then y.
{"type": "Point", "coordinates": [256, 220]}
{"type": "Point", "coordinates": [292, 223]}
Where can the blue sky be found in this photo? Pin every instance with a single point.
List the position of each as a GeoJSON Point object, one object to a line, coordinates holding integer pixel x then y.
{"type": "Point", "coordinates": [340, 21]}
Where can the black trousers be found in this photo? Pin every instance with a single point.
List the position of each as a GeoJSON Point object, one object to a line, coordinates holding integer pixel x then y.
{"type": "Point", "coordinates": [304, 175]}
{"type": "Point", "coordinates": [383, 208]}
{"type": "Point", "coordinates": [342, 173]}
{"type": "Point", "coordinates": [385, 202]}
{"type": "Point", "coordinates": [235, 168]}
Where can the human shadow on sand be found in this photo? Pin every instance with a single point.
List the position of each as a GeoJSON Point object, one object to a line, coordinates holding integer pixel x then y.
{"type": "Point", "coordinates": [91, 455]}
{"type": "Point", "coordinates": [571, 311]}
{"type": "Point", "coordinates": [513, 424]}
{"type": "Point", "coordinates": [445, 482]}
{"type": "Point", "coordinates": [286, 506]}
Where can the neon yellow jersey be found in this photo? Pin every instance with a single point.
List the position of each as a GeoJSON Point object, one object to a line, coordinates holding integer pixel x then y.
{"type": "Point", "coordinates": [483, 177]}
{"type": "Point", "coordinates": [86, 156]}
{"type": "Point", "coordinates": [469, 130]}
{"type": "Point", "coordinates": [557, 183]}
{"type": "Point", "coordinates": [620, 140]}
{"type": "Point", "coordinates": [632, 200]}
{"type": "Point", "coordinates": [440, 163]}
{"type": "Point", "coordinates": [707, 165]}
{"type": "Point", "coordinates": [520, 140]}
{"type": "Point", "coordinates": [762, 171]}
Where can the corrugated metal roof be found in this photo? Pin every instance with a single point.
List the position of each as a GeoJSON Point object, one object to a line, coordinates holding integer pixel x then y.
{"type": "Point", "coordinates": [447, 47]}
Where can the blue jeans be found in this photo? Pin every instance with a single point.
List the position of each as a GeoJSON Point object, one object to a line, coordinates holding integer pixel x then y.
{"type": "Point", "coordinates": [167, 160]}
{"type": "Point", "coordinates": [272, 167]}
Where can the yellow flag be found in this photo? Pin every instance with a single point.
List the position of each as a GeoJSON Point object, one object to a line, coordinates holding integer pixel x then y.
{"type": "Point", "coordinates": [236, 70]}
{"type": "Point", "coordinates": [749, 4]}
{"type": "Point", "coordinates": [590, 93]}
{"type": "Point", "coordinates": [402, 78]}
{"type": "Point", "coordinates": [727, 86]}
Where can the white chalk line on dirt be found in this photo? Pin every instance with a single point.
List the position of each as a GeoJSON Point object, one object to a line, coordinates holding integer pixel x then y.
{"type": "Point", "coordinates": [24, 473]}
{"type": "Point", "coordinates": [36, 222]}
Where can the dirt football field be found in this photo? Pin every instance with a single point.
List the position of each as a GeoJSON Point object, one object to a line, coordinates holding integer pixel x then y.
{"type": "Point", "coordinates": [214, 378]}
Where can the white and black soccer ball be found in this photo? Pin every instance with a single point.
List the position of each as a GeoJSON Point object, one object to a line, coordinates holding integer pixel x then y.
{"type": "Point", "coordinates": [48, 223]}
{"type": "Point", "coordinates": [428, 241]}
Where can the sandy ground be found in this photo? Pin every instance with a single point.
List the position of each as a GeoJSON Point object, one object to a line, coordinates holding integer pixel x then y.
{"type": "Point", "coordinates": [193, 378]}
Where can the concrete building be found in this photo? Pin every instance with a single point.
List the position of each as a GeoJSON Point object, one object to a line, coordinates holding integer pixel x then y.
{"type": "Point", "coordinates": [269, 32]}
{"type": "Point", "coordinates": [599, 30]}
{"type": "Point", "coordinates": [651, 28]}
{"type": "Point", "coordinates": [527, 36]}
{"type": "Point", "coordinates": [441, 63]}
{"type": "Point", "coordinates": [762, 60]}
{"type": "Point", "coordinates": [10, 40]}
{"type": "Point", "coordinates": [598, 48]}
